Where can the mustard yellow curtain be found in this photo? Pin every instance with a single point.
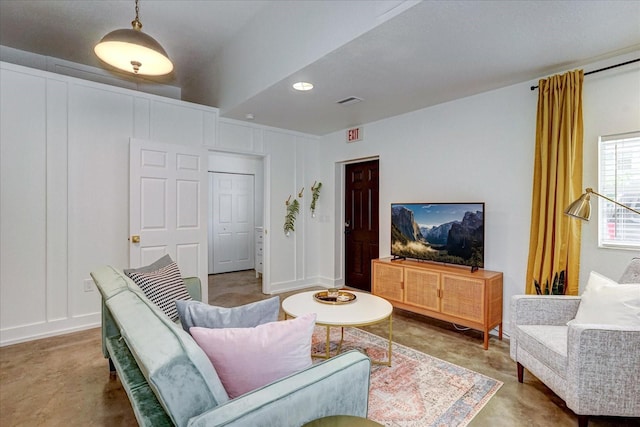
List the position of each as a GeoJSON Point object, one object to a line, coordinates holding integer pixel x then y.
{"type": "Point", "coordinates": [554, 246]}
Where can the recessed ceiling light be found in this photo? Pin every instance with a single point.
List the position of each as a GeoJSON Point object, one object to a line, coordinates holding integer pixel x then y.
{"type": "Point", "coordinates": [302, 86]}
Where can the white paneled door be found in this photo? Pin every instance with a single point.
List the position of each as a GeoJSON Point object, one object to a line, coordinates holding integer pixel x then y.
{"type": "Point", "coordinates": [232, 222]}
{"type": "Point", "coordinates": [168, 206]}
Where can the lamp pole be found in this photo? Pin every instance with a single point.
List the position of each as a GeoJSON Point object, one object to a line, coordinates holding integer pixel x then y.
{"type": "Point", "coordinates": [590, 190]}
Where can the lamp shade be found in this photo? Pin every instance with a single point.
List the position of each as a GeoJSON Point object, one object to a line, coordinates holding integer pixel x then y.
{"type": "Point", "coordinates": [133, 51]}
{"type": "Point", "coordinates": [581, 208]}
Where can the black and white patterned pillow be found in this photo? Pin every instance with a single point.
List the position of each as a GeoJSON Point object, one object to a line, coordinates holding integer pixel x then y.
{"type": "Point", "coordinates": [163, 286]}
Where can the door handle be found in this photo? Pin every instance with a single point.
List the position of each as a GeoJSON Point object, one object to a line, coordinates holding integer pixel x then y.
{"type": "Point", "coordinates": [135, 239]}
{"type": "Point", "coordinates": [347, 227]}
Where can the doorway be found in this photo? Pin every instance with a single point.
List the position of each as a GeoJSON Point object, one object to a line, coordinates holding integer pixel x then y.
{"type": "Point", "coordinates": [242, 166]}
{"type": "Point", "coordinates": [233, 222]}
{"type": "Point", "coordinates": [361, 225]}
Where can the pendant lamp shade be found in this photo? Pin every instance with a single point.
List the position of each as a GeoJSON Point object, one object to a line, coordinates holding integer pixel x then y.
{"type": "Point", "coordinates": [133, 51]}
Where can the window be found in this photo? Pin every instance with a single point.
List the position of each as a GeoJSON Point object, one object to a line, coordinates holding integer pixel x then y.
{"type": "Point", "coordinates": [619, 180]}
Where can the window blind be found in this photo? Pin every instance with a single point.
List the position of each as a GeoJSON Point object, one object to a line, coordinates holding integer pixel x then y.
{"type": "Point", "coordinates": [619, 179]}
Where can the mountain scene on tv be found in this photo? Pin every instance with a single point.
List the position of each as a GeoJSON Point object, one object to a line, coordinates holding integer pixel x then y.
{"type": "Point", "coordinates": [449, 233]}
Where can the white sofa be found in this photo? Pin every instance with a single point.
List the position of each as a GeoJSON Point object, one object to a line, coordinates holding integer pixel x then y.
{"type": "Point", "coordinates": [594, 368]}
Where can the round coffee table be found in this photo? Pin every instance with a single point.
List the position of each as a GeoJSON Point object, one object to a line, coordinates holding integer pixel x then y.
{"type": "Point", "coordinates": [365, 310]}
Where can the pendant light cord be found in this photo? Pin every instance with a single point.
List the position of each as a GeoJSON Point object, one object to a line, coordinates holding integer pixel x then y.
{"type": "Point", "coordinates": [136, 24]}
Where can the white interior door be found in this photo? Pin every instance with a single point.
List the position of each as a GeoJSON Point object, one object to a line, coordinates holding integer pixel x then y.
{"type": "Point", "coordinates": [232, 222]}
{"type": "Point", "coordinates": [168, 206]}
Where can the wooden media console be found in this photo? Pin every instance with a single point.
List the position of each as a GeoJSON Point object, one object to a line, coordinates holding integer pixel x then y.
{"type": "Point", "coordinates": [452, 294]}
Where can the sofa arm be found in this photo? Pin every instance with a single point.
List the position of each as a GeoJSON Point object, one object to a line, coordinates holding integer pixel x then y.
{"type": "Point", "coordinates": [554, 310]}
{"type": "Point", "coordinates": [193, 287]}
{"type": "Point", "coordinates": [339, 386]}
{"type": "Point", "coordinates": [602, 370]}
{"type": "Point", "coordinates": [109, 328]}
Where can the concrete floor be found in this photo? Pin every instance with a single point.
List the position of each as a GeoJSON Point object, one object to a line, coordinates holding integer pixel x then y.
{"type": "Point", "coordinates": [64, 380]}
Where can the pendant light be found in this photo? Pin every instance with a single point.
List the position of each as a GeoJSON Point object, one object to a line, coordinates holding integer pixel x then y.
{"type": "Point", "coordinates": [133, 51]}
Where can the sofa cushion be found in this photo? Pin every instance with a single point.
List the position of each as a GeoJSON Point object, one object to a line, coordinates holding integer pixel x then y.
{"type": "Point", "coordinates": [548, 344]}
{"type": "Point", "coordinates": [162, 283]}
{"type": "Point", "coordinates": [196, 313]}
{"type": "Point", "coordinates": [606, 302]}
{"type": "Point", "coordinates": [248, 358]}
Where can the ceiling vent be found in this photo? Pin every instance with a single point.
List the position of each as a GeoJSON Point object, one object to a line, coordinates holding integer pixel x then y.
{"type": "Point", "coordinates": [350, 100]}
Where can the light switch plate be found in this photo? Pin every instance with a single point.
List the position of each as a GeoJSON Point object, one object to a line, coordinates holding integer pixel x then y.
{"type": "Point", "coordinates": [88, 285]}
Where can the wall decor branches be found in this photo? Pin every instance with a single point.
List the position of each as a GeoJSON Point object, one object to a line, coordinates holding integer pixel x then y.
{"type": "Point", "coordinates": [315, 194]}
{"type": "Point", "coordinates": [290, 218]}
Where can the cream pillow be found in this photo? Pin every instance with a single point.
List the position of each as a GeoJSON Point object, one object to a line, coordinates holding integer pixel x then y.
{"type": "Point", "coordinates": [606, 302]}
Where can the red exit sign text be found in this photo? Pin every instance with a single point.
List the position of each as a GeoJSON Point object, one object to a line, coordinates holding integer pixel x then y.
{"type": "Point", "coordinates": [354, 134]}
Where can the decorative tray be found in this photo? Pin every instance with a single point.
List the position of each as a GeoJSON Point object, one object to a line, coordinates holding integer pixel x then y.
{"type": "Point", "coordinates": [343, 297]}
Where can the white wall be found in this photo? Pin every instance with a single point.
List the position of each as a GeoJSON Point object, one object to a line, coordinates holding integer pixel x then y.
{"type": "Point", "coordinates": [65, 190]}
{"type": "Point", "coordinates": [480, 148]}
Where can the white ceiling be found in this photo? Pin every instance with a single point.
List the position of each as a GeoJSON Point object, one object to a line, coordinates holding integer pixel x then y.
{"type": "Point", "coordinates": [430, 53]}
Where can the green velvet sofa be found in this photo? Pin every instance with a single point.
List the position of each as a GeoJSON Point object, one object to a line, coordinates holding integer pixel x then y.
{"type": "Point", "coordinates": [170, 380]}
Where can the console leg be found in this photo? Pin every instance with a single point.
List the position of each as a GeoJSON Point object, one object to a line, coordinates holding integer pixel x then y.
{"type": "Point", "coordinates": [583, 420]}
{"type": "Point", "coordinates": [520, 372]}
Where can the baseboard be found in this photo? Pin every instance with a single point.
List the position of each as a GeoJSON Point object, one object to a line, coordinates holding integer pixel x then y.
{"type": "Point", "coordinates": [48, 329]}
{"type": "Point", "coordinates": [278, 288]}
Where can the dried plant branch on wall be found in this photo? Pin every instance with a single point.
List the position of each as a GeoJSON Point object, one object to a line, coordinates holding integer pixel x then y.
{"type": "Point", "coordinates": [292, 211]}
{"type": "Point", "coordinates": [315, 194]}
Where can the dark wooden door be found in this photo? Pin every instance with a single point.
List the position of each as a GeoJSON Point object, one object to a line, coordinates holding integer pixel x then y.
{"type": "Point", "coordinates": [361, 222]}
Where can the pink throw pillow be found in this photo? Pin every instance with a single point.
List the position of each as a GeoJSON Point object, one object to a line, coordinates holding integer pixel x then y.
{"type": "Point", "coordinates": [248, 358]}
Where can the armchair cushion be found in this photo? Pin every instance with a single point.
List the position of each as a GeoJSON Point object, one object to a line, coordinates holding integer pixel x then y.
{"type": "Point", "coordinates": [546, 343]}
{"type": "Point", "coordinates": [608, 303]}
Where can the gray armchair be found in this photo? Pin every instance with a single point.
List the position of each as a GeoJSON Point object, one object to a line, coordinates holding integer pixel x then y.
{"type": "Point", "coordinates": [595, 369]}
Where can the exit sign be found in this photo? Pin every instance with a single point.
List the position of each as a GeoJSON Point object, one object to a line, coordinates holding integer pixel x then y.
{"type": "Point", "coordinates": [354, 134]}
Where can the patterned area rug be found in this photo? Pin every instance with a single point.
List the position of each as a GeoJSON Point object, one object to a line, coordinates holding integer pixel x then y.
{"type": "Point", "coordinates": [418, 390]}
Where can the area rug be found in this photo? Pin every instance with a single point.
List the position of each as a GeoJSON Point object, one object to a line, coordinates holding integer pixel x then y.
{"type": "Point", "coordinates": [418, 390]}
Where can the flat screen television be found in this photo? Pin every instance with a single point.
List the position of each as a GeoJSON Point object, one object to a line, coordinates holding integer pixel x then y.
{"type": "Point", "coordinates": [451, 233]}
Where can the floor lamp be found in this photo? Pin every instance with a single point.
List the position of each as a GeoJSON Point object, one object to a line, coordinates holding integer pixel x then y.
{"type": "Point", "coordinates": [581, 208]}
